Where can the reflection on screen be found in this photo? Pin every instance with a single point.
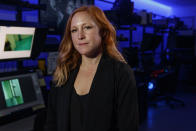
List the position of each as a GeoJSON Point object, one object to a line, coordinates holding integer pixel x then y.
{"type": "Point", "coordinates": [12, 92]}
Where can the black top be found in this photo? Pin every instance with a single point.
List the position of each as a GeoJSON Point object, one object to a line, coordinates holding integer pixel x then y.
{"type": "Point", "coordinates": [112, 101]}
{"type": "Point", "coordinates": [78, 111]}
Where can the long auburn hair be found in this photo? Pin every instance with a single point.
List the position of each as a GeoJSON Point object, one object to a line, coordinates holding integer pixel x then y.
{"type": "Point", "coordinates": [68, 58]}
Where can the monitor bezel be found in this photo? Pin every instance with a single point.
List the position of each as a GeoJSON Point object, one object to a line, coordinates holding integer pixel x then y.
{"type": "Point", "coordinates": [39, 97]}
{"type": "Point", "coordinates": [4, 55]}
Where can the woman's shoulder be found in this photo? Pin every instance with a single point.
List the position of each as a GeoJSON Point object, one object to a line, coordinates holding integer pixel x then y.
{"type": "Point", "coordinates": [124, 75]}
{"type": "Point", "coordinates": [121, 66]}
{"type": "Point", "coordinates": [122, 70]}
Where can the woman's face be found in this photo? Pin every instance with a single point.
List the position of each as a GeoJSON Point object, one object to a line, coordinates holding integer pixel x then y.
{"type": "Point", "coordinates": [85, 34]}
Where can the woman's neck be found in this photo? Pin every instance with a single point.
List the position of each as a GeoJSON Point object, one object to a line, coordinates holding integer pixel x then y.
{"type": "Point", "coordinates": [90, 62]}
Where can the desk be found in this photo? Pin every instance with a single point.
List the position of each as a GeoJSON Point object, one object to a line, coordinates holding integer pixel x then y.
{"type": "Point", "coordinates": [25, 124]}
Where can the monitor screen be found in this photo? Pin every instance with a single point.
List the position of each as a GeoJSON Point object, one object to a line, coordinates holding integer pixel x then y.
{"type": "Point", "coordinates": [16, 42]}
{"type": "Point", "coordinates": [19, 92]}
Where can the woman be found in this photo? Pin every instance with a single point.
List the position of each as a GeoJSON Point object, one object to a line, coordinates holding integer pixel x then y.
{"type": "Point", "coordinates": [94, 87]}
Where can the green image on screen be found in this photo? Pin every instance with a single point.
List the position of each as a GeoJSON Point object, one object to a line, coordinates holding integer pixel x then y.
{"type": "Point", "coordinates": [18, 42]}
{"type": "Point", "coordinates": [12, 92]}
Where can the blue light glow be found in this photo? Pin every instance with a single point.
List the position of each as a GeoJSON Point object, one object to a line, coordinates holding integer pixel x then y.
{"type": "Point", "coordinates": [30, 16]}
{"type": "Point", "coordinates": [154, 7]}
{"type": "Point", "coordinates": [7, 15]}
{"type": "Point", "coordinates": [150, 85]}
{"type": "Point", "coordinates": [104, 5]}
{"type": "Point", "coordinates": [31, 1]}
{"type": "Point", "coordinates": [167, 54]}
{"type": "Point", "coordinates": [166, 70]}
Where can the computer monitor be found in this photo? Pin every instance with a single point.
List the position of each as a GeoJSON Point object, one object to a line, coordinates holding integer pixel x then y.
{"type": "Point", "coordinates": [19, 92]}
{"type": "Point", "coordinates": [16, 42]}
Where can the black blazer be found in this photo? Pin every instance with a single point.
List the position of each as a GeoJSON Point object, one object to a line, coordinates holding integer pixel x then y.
{"type": "Point", "coordinates": [112, 100]}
